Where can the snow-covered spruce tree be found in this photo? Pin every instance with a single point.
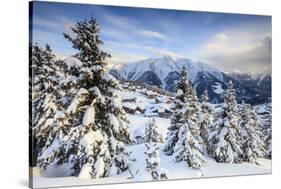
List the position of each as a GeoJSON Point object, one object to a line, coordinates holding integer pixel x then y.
{"type": "Point", "coordinates": [37, 97]}
{"type": "Point", "coordinates": [265, 129]}
{"type": "Point", "coordinates": [183, 136]}
{"type": "Point", "coordinates": [252, 145]}
{"type": "Point", "coordinates": [177, 119]}
{"type": "Point", "coordinates": [40, 83]}
{"type": "Point", "coordinates": [205, 117]}
{"type": "Point", "coordinates": [153, 162]}
{"type": "Point", "coordinates": [268, 144]}
{"type": "Point", "coordinates": [152, 132]}
{"type": "Point", "coordinates": [188, 148]}
{"type": "Point", "coordinates": [45, 82]}
{"type": "Point", "coordinates": [89, 135]}
{"type": "Point", "coordinates": [59, 77]}
{"type": "Point", "coordinates": [224, 140]}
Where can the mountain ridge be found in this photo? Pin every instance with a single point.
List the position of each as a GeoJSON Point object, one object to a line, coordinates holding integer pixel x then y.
{"type": "Point", "coordinates": [164, 72]}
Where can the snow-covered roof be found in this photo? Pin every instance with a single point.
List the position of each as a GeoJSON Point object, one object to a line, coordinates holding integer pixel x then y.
{"type": "Point", "coordinates": [151, 109]}
{"type": "Point", "coordinates": [130, 105]}
{"type": "Point", "coordinates": [150, 92]}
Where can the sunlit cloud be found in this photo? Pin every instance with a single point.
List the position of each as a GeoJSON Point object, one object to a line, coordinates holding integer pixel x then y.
{"type": "Point", "coordinates": [221, 37]}
{"type": "Point", "coordinates": [231, 54]}
{"type": "Point", "coordinates": [152, 34]}
{"type": "Point", "coordinates": [162, 52]}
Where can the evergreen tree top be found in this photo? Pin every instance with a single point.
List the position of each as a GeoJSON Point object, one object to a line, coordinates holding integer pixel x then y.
{"type": "Point", "coordinates": [230, 89]}
{"type": "Point", "coordinates": [246, 112]}
{"type": "Point", "coordinates": [49, 54]}
{"type": "Point", "coordinates": [184, 90]}
{"type": "Point", "coordinates": [87, 41]}
{"type": "Point", "coordinates": [184, 73]}
{"type": "Point", "coordinates": [230, 97]}
{"type": "Point", "coordinates": [204, 96]}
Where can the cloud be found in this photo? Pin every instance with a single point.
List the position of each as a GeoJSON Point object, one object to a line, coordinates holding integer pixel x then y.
{"type": "Point", "coordinates": [235, 53]}
{"type": "Point", "coordinates": [152, 34]}
{"type": "Point", "coordinates": [123, 58]}
{"type": "Point", "coordinates": [119, 21]}
{"type": "Point", "coordinates": [221, 37]}
{"type": "Point", "coordinates": [61, 24]}
{"type": "Point", "coordinates": [120, 45]}
{"type": "Point", "coordinates": [163, 52]}
{"type": "Point", "coordinates": [119, 24]}
{"type": "Point", "coordinates": [46, 23]}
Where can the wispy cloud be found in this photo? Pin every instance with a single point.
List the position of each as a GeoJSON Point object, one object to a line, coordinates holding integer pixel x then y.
{"type": "Point", "coordinates": [163, 52]}
{"type": "Point", "coordinates": [221, 37]}
{"type": "Point", "coordinates": [152, 34]}
{"type": "Point", "coordinates": [60, 24]}
{"type": "Point", "coordinates": [117, 45]}
{"type": "Point", "coordinates": [46, 23]}
{"type": "Point", "coordinates": [118, 21]}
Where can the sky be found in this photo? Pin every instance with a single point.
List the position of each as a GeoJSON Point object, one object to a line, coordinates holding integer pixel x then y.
{"type": "Point", "coordinates": [229, 42]}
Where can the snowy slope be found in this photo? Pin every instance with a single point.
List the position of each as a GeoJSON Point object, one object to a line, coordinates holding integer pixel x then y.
{"type": "Point", "coordinates": [176, 171]}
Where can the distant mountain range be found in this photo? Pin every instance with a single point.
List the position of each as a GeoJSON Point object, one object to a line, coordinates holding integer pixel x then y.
{"type": "Point", "coordinates": [164, 72]}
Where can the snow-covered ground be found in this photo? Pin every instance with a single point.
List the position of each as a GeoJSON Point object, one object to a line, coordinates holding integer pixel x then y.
{"type": "Point", "coordinates": [53, 176]}
{"type": "Point", "coordinates": [176, 171]}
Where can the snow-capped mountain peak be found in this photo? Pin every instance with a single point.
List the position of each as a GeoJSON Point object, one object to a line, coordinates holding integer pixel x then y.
{"type": "Point", "coordinates": [162, 67]}
{"type": "Point", "coordinates": [164, 72]}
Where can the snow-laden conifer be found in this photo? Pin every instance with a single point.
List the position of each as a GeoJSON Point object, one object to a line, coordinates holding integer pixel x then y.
{"type": "Point", "coordinates": [45, 79]}
{"type": "Point", "coordinates": [224, 143]}
{"type": "Point", "coordinates": [265, 129]}
{"type": "Point", "coordinates": [252, 145]}
{"type": "Point", "coordinates": [152, 132]}
{"type": "Point", "coordinates": [153, 162]}
{"type": "Point", "coordinates": [90, 133]}
{"type": "Point", "coordinates": [184, 134]}
{"type": "Point", "coordinates": [205, 118]}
